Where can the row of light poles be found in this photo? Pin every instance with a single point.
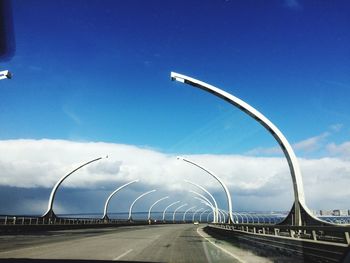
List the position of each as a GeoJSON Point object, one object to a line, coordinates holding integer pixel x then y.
{"type": "Point", "coordinates": [49, 214]}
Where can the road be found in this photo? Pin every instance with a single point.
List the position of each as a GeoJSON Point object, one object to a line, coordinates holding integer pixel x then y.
{"type": "Point", "coordinates": [157, 243]}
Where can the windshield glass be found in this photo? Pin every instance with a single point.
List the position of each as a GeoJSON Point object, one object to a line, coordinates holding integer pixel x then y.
{"type": "Point", "coordinates": [92, 125]}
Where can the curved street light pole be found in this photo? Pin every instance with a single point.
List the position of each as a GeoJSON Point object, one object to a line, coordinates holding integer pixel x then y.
{"type": "Point", "coordinates": [202, 197]}
{"type": "Point", "coordinates": [105, 216]}
{"type": "Point", "coordinates": [240, 216]}
{"type": "Point", "coordinates": [295, 215]}
{"type": "Point", "coordinates": [156, 202]}
{"type": "Point", "coordinates": [50, 213]}
{"type": "Point", "coordinates": [248, 214]}
{"type": "Point", "coordinates": [181, 206]}
{"type": "Point", "coordinates": [200, 216]}
{"type": "Point", "coordinates": [167, 209]}
{"type": "Point", "coordinates": [235, 217]}
{"type": "Point", "coordinates": [228, 196]}
{"type": "Point", "coordinates": [211, 196]}
{"type": "Point", "coordinates": [224, 213]}
{"type": "Point", "coordinates": [195, 212]}
{"type": "Point", "coordinates": [184, 216]}
{"type": "Point", "coordinates": [133, 203]}
{"type": "Point", "coordinates": [208, 216]}
{"type": "Point", "coordinates": [205, 202]}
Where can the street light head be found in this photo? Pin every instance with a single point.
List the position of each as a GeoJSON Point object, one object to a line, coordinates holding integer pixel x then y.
{"type": "Point", "coordinates": [174, 76]}
{"type": "Point", "coordinates": [180, 158]}
{"type": "Point", "coordinates": [5, 74]}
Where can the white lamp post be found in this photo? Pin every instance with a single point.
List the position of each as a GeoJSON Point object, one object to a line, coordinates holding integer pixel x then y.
{"type": "Point", "coordinates": [174, 203]}
{"type": "Point", "coordinates": [195, 212]}
{"type": "Point", "coordinates": [228, 196]}
{"type": "Point", "coordinates": [181, 206]}
{"type": "Point", "coordinates": [200, 216]}
{"type": "Point", "coordinates": [50, 213]}
{"type": "Point", "coordinates": [105, 217]}
{"type": "Point", "coordinates": [211, 196]}
{"type": "Point", "coordinates": [133, 203]}
{"type": "Point", "coordinates": [184, 216]}
{"type": "Point", "coordinates": [156, 202]}
{"type": "Point", "coordinates": [295, 217]}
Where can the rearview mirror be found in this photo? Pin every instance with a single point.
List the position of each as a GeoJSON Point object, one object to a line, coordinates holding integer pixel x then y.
{"type": "Point", "coordinates": [7, 41]}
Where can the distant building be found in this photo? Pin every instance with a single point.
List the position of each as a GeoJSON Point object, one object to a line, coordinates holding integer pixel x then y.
{"type": "Point", "coordinates": [339, 212]}
{"type": "Point", "coordinates": [343, 212]}
{"type": "Point", "coordinates": [326, 212]}
{"type": "Point", "coordinates": [336, 212]}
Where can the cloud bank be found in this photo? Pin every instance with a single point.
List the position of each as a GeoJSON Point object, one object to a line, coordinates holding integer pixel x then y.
{"type": "Point", "coordinates": [256, 183]}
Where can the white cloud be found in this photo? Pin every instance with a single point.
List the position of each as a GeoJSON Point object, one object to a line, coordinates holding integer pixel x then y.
{"type": "Point", "coordinates": [254, 182]}
{"type": "Point", "coordinates": [336, 127]}
{"type": "Point", "coordinates": [307, 146]}
{"type": "Point", "coordinates": [341, 150]}
{"type": "Point", "coordinates": [311, 144]}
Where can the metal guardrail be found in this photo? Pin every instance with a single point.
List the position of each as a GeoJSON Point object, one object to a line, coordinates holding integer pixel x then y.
{"type": "Point", "coordinates": [25, 220]}
{"type": "Point", "coordinates": [333, 234]}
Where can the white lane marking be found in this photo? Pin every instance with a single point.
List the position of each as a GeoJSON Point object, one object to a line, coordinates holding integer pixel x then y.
{"type": "Point", "coordinates": [226, 251]}
{"type": "Point", "coordinates": [122, 255]}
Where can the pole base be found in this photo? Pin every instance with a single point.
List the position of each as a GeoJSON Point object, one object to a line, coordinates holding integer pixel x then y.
{"type": "Point", "coordinates": [305, 218]}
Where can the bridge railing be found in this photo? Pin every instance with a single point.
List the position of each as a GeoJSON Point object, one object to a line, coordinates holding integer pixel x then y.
{"type": "Point", "coordinates": [335, 234]}
{"type": "Point", "coordinates": [28, 220]}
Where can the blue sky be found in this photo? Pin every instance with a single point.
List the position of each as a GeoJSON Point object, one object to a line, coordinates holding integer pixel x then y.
{"type": "Point", "coordinates": [93, 71]}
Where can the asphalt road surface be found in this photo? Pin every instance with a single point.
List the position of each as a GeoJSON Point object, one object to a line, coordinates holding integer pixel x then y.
{"type": "Point", "coordinates": [157, 243]}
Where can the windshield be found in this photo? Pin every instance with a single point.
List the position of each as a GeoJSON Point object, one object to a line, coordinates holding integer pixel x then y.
{"type": "Point", "coordinates": [92, 125]}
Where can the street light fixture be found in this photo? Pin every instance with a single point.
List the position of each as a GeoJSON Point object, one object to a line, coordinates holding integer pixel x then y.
{"type": "Point", "coordinates": [5, 74]}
